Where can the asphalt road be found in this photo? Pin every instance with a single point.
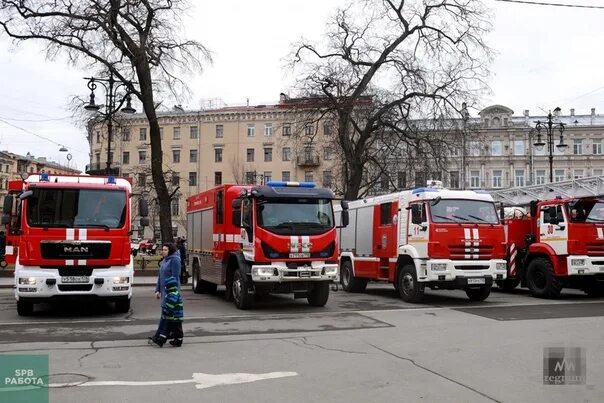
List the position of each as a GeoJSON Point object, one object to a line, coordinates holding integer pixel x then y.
{"type": "Point", "coordinates": [369, 347]}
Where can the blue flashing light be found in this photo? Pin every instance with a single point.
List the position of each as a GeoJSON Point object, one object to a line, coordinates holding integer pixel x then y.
{"type": "Point", "coordinates": [282, 184]}
{"type": "Point", "coordinates": [307, 184]}
{"type": "Point", "coordinates": [111, 180]}
{"type": "Point", "coordinates": [424, 190]}
{"type": "Point", "coordinates": [44, 177]}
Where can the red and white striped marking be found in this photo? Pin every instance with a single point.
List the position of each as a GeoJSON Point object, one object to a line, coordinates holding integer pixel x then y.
{"type": "Point", "coordinates": [513, 254]}
{"type": "Point", "coordinates": [299, 243]}
{"type": "Point", "coordinates": [600, 233]}
{"type": "Point", "coordinates": [70, 235]}
{"type": "Point", "coordinates": [472, 241]}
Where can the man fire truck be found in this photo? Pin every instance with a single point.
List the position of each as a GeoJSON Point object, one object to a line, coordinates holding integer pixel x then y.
{"type": "Point", "coordinates": [427, 237]}
{"type": "Point", "coordinates": [559, 242]}
{"type": "Point", "coordinates": [277, 238]}
{"type": "Point", "coordinates": [69, 236]}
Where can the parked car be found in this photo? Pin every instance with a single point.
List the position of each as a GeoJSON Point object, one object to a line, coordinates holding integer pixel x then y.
{"type": "Point", "coordinates": [147, 246]}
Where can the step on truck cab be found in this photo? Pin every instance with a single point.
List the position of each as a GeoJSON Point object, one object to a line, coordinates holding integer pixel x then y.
{"type": "Point", "coordinates": [256, 240]}
{"type": "Point", "coordinates": [69, 237]}
{"type": "Point", "coordinates": [426, 237]}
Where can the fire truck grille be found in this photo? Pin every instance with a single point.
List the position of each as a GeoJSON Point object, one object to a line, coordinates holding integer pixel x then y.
{"type": "Point", "coordinates": [75, 287]}
{"type": "Point", "coordinates": [462, 267]}
{"type": "Point", "coordinates": [75, 271]}
{"type": "Point", "coordinates": [75, 250]}
{"type": "Point", "coordinates": [473, 252]}
{"type": "Point", "coordinates": [595, 249]}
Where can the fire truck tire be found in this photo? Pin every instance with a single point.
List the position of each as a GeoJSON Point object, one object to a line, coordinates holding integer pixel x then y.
{"type": "Point", "coordinates": [319, 294]}
{"type": "Point", "coordinates": [409, 289]}
{"type": "Point", "coordinates": [541, 279]}
{"type": "Point", "coordinates": [478, 294]}
{"type": "Point", "coordinates": [241, 286]}
{"type": "Point", "coordinates": [25, 308]}
{"type": "Point", "coordinates": [349, 282]}
{"type": "Point", "coordinates": [122, 306]}
{"type": "Point", "coordinates": [201, 286]}
{"type": "Point", "coordinates": [508, 284]}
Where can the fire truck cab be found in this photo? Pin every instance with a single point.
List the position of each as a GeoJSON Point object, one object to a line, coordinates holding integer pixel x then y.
{"type": "Point", "coordinates": [255, 240]}
{"type": "Point", "coordinates": [427, 237]}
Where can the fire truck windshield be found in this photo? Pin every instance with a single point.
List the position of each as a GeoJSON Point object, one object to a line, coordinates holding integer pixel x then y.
{"type": "Point", "coordinates": [464, 211]}
{"type": "Point", "coordinates": [586, 211]}
{"type": "Point", "coordinates": [71, 208]}
{"type": "Point", "coordinates": [288, 216]}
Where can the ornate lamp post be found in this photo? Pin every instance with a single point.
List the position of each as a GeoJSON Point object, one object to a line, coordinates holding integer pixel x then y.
{"type": "Point", "coordinates": [550, 127]}
{"type": "Point", "coordinates": [111, 107]}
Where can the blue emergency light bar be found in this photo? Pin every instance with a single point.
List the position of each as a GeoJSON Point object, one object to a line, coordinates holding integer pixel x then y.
{"type": "Point", "coordinates": [111, 180]}
{"type": "Point", "coordinates": [282, 184]}
{"type": "Point", "coordinates": [424, 190]}
{"type": "Point", "coordinates": [44, 177]}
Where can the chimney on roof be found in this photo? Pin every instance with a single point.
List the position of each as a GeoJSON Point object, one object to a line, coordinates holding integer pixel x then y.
{"type": "Point", "coordinates": [593, 112]}
{"type": "Point", "coordinates": [283, 98]}
{"type": "Point", "coordinates": [572, 111]}
{"type": "Point", "coordinates": [526, 113]}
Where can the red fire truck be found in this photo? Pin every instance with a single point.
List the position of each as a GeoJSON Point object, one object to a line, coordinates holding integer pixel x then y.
{"type": "Point", "coordinates": [427, 237]}
{"type": "Point", "coordinates": [276, 238]}
{"type": "Point", "coordinates": [559, 242]}
{"type": "Point", "coordinates": [69, 236]}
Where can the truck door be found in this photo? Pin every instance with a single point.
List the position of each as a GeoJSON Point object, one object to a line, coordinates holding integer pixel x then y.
{"type": "Point", "coordinates": [418, 228]}
{"type": "Point", "coordinates": [384, 236]}
{"type": "Point", "coordinates": [553, 228]}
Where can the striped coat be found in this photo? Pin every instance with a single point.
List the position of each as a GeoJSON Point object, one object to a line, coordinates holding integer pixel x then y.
{"type": "Point", "coordinates": [172, 310]}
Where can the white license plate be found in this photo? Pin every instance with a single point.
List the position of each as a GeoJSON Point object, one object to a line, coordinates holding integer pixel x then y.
{"type": "Point", "coordinates": [75, 279]}
{"type": "Point", "coordinates": [299, 255]}
{"type": "Point", "coordinates": [476, 281]}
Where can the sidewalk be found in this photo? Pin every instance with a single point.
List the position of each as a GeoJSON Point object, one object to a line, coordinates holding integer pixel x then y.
{"type": "Point", "coordinates": [142, 278]}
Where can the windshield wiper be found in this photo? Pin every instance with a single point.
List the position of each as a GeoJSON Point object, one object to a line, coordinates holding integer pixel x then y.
{"type": "Point", "coordinates": [94, 225]}
{"type": "Point", "coordinates": [444, 218]}
{"type": "Point", "coordinates": [477, 218]}
{"type": "Point", "coordinates": [592, 220]}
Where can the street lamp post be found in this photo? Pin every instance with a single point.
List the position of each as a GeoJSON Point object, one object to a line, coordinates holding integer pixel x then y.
{"type": "Point", "coordinates": [465, 117]}
{"type": "Point", "coordinates": [550, 127]}
{"type": "Point", "coordinates": [111, 94]}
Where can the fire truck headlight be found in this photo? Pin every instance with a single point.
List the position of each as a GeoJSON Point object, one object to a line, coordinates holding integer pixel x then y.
{"type": "Point", "coordinates": [577, 262]}
{"type": "Point", "coordinates": [439, 266]}
{"type": "Point", "coordinates": [263, 271]}
{"type": "Point", "coordinates": [331, 271]}
{"type": "Point", "coordinates": [121, 280]}
{"type": "Point", "coordinates": [500, 266]}
{"type": "Point", "coordinates": [27, 280]}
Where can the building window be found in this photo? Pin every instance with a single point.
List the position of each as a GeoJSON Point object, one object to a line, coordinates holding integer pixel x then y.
{"type": "Point", "coordinates": [597, 172]}
{"type": "Point", "coordinates": [250, 155]}
{"type": "Point", "coordinates": [518, 147]}
{"type": "Point", "coordinates": [327, 179]}
{"type": "Point", "coordinates": [161, 133]}
{"type": "Point", "coordinates": [474, 179]}
{"type": "Point", "coordinates": [401, 180]}
{"type": "Point", "coordinates": [578, 174]}
{"type": "Point", "coordinates": [540, 177]}
{"type": "Point", "coordinates": [496, 148]}
{"type": "Point", "coordinates": [98, 137]}
{"type": "Point", "coordinates": [455, 151]}
{"type": "Point", "coordinates": [219, 131]}
{"type": "Point", "coordinates": [175, 206]}
{"type": "Point", "coordinates": [497, 178]}
{"type": "Point", "coordinates": [142, 134]}
{"type": "Point", "coordinates": [327, 153]}
{"type": "Point", "coordinates": [578, 146]}
{"type": "Point", "coordinates": [218, 155]}
{"type": "Point", "coordinates": [176, 133]}
{"type": "Point", "coordinates": [268, 176]}
{"type": "Point", "coordinates": [176, 156]}
{"type": "Point", "coordinates": [309, 176]}
{"type": "Point", "coordinates": [474, 148]}
{"type": "Point", "coordinates": [285, 176]}
{"type": "Point", "coordinates": [286, 154]}
{"type": "Point", "coordinates": [519, 177]}
{"type": "Point", "coordinates": [268, 129]}
{"type": "Point", "coordinates": [251, 129]}
{"type": "Point", "coordinates": [217, 178]}
{"type": "Point", "coordinates": [192, 178]}
{"type": "Point", "coordinates": [309, 130]}
{"type": "Point", "coordinates": [194, 132]}
{"type": "Point", "coordinates": [142, 179]}
{"type": "Point", "coordinates": [250, 178]}
{"type": "Point", "coordinates": [126, 134]}
{"type": "Point", "coordinates": [384, 181]}
{"type": "Point", "coordinates": [287, 129]}
{"type": "Point", "coordinates": [175, 178]}
{"type": "Point", "coordinates": [125, 158]}
{"type": "Point", "coordinates": [597, 146]}
{"type": "Point", "coordinates": [328, 128]}
{"type": "Point", "coordinates": [192, 155]}
{"type": "Point", "coordinates": [97, 157]}
{"type": "Point", "coordinates": [559, 175]}
{"type": "Point", "coordinates": [268, 154]}
{"type": "Point", "coordinates": [142, 156]}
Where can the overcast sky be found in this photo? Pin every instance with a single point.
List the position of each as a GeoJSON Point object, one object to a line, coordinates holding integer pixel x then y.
{"type": "Point", "coordinates": [546, 57]}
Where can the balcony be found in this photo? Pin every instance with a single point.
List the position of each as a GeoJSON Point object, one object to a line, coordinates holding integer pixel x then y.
{"type": "Point", "coordinates": [308, 160]}
{"type": "Point", "coordinates": [100, 168]}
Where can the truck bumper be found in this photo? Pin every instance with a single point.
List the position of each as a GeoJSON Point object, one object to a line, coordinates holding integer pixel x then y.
{"type": "Point", "coordinates": [462, 272]}
{"type": "Point", "coordinates": [279, 272]}
{"type": "Point", "coordinates": [584, 265]}
{"type": "Point", "coordinates": [33, 282]}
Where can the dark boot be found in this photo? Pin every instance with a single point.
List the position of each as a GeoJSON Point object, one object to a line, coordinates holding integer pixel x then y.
{"type": "Point", "coordinates": [157, 340]}
{"type": "Point", "coordinates": [176, 342]}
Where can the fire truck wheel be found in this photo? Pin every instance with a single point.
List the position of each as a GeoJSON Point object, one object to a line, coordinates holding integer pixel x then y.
{"type": "Point", "coordinates": [122, 306]}
{"type": "Point", "coordinates": [25, 308]}
{"type": "Point", "coordinates": [508, 284]}
{"type": "Point", "coordinates": [409, 289]}
{"type": "Point", "coordinates": [349, 282]}
{"type": "Point", "coordinates": [541, 279]}
{"type": "Point", "coordinates": [319, 294]}
{"type": "Point", "coordinates": [478, 294]}
{"type": "Point", "coordinates": [241, 287]}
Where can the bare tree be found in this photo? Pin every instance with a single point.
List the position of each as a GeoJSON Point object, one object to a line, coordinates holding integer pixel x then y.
{"type": "Point", "coordinates": [386, 63]}
{"type": "Point", "coordinates": [137, 41]}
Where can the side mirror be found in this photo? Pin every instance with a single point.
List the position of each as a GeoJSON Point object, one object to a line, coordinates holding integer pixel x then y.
{"type": "Point", "coordinates": [25, 195]}
{"type": "Point", "coordinates": [416, 214]}
{"type": "Point", "coordinates": [8, 204]}
{"type": "Point", "coordinates": [345, 219]}
{"type": "Point", "coordinates": [143, 208]}
{"type": "Point", "coordinates": [501, 212]}
{"type": "Point", "coordinates": [551, 211]}
{"type": "Point", "coordinates": [533, 208]}
{"type": "Point", "coordinates": [344, 204]}
{"type": "Point", "coordinates": [144, 222]}
{"type": "Point", "coordinates": [236, 204]}
{"type": "Point", "coordinates": [236, 218]}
